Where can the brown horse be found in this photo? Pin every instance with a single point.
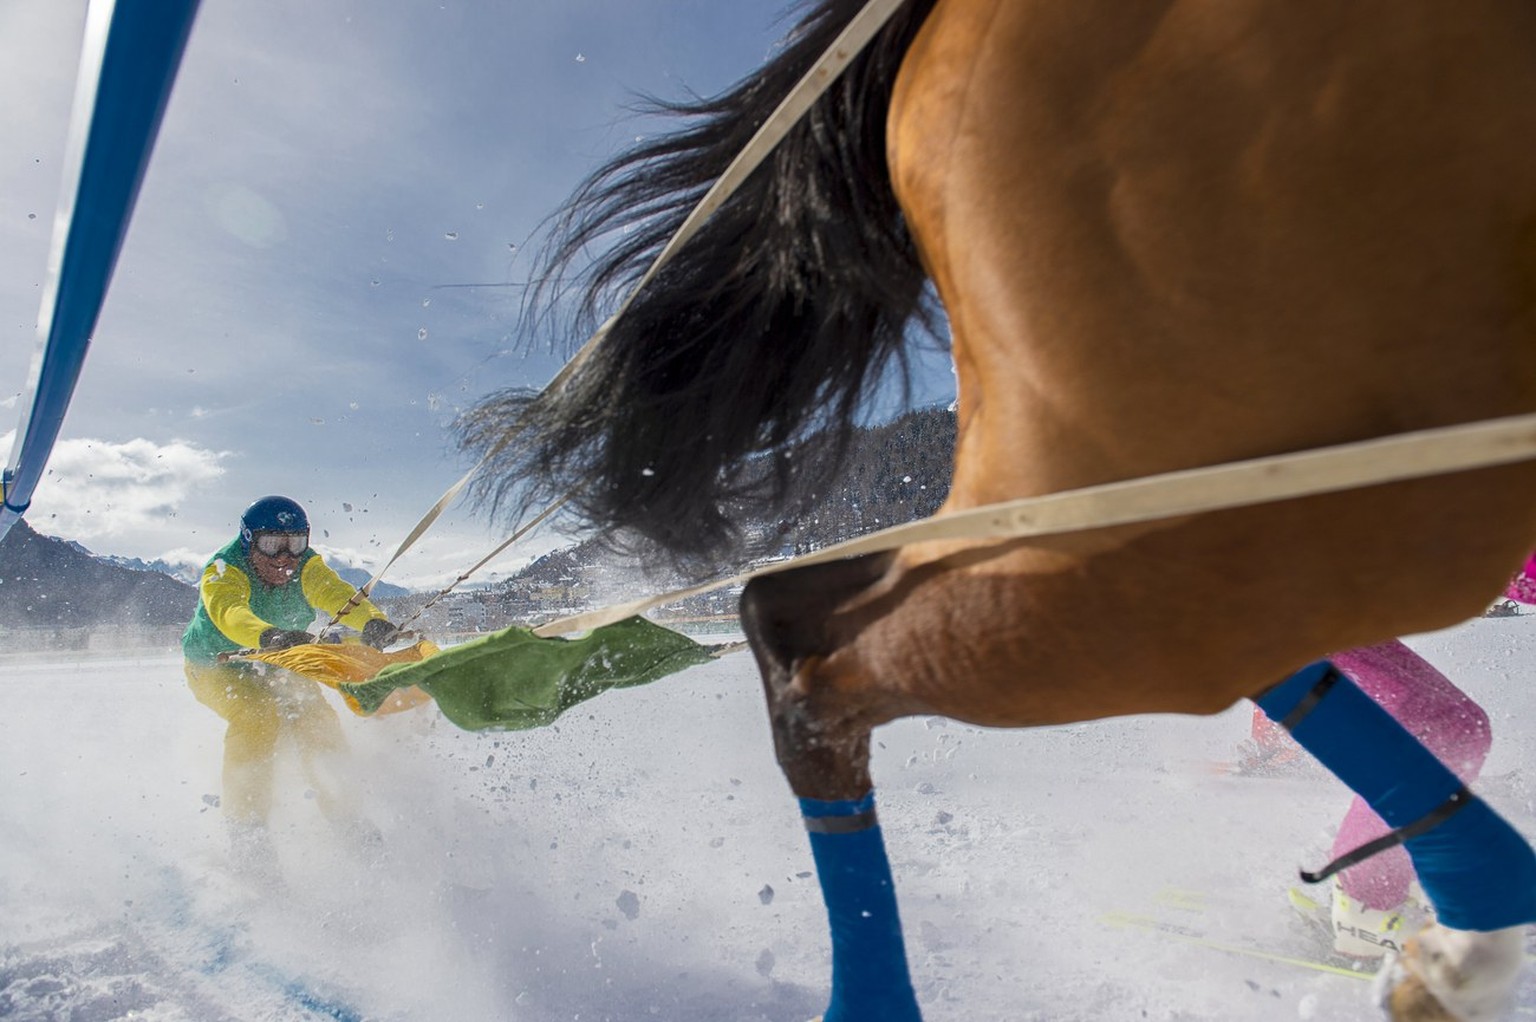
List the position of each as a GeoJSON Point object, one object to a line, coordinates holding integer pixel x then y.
{"type": "Point", "coordinates": [1165, 234]}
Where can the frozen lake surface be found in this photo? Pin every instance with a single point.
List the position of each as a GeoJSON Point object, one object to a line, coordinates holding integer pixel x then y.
{"type": "Point", "coordinates": [644, 858]}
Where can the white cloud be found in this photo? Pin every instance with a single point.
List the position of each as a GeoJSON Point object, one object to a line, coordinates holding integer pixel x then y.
{"type": "Point", "coordinates": [185, 557]}
{"type": "Point", "coordinates": [97, 488]}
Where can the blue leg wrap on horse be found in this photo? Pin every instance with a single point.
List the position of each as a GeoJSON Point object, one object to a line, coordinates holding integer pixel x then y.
{"type": "Point", "coordinates": [869, 962]}
{"type": "Point", "coordinates": [1476, 869]}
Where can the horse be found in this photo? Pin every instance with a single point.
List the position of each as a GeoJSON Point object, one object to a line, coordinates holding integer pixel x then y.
{"type": "Point", "coordinates": [1159, 236]}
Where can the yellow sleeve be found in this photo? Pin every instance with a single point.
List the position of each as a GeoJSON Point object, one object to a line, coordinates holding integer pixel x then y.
{"type": "Point", "coordinates": [226, 595]}
{"type": "Point", "coordinates": [330, 592]}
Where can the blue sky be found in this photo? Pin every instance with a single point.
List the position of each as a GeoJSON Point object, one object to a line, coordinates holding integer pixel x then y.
{"type": "Point", "coordinates": [279, 321]}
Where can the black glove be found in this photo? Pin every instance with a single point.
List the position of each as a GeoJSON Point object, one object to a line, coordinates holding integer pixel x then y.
{"type": "Point", "coordinates": [283, 638]}
{"type": "Point", "coordinates": [380, 632]}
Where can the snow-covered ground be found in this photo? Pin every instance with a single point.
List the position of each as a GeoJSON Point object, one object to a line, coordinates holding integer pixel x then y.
{"type": "Point", "coordinates": [643, 859]}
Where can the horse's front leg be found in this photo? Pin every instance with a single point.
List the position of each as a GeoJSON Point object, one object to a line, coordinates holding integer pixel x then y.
{"type": "Point", "coordinates": [821, 735]}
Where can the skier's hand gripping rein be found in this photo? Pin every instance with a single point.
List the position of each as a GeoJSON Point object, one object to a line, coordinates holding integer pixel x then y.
{"type": "Point", "coordinates": [380, 632]}
{"type": "Point", "coordinates": [285, 638]}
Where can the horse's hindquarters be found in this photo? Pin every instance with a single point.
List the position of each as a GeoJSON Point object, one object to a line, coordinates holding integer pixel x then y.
{"type": "Point", "coordinates": [1181, 234]}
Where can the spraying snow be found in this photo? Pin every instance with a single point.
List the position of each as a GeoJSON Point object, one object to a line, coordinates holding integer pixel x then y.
{"type": "Point", "coordinates": [643, 858]}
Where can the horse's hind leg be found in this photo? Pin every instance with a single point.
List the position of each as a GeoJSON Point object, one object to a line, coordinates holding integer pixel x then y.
{"type": "Point", "coordinates": [1476, 870]}
{"type": "Point", "coordinates": [822, 742]}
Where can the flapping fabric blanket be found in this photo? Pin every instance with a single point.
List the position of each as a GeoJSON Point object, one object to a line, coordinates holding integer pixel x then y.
{"type": "Point", "coordinates": [513, 680]}
{"type": "Point", "coordinates": [335, 664]}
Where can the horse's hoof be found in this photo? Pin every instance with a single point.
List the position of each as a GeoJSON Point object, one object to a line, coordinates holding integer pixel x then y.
{"type": "Point", "coordinates": [1446, 975]}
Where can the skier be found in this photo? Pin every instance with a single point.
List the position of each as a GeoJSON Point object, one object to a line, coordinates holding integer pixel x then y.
{"type": "Point", "coordinates": [1370, 900]}
{"type": "Point", "coordinates": [261, 589]}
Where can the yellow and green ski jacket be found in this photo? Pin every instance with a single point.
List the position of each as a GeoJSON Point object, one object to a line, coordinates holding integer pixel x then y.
{"type": "Point", "coordinates": [234, 606]}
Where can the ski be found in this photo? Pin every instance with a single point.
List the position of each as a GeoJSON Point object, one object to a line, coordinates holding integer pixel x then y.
{"type": "Point", "coordinates": [1189, 935]}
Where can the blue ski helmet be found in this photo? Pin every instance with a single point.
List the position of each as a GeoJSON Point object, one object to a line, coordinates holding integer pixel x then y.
{"type": "Point", "coordinates": [272, 514]}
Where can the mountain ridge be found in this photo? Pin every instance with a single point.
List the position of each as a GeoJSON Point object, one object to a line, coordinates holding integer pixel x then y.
{"type": "Point", "coordinates": [48, 583]}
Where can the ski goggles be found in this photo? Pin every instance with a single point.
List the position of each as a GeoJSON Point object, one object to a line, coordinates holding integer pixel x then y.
{"type": "Point", "coordinates": [275, 543]}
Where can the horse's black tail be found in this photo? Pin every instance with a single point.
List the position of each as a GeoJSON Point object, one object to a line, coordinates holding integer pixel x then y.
{"type": "Point", "coordinates": [773, 323]}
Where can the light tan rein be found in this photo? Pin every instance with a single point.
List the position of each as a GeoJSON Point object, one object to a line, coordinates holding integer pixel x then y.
{"type": "Point", "coordinates": [1191, 491]}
